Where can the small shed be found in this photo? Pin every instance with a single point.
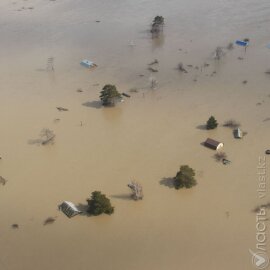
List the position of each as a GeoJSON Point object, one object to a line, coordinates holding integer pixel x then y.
{"type": "Point", "coordinates": [238, 134]}
{"type": "Point", "coordinates": [69, 209]}
{"type": "Point", "coordinates": [213, 144]}
{"type": "Point", "coordinates": [242, 43]}
{"type": "Point", "coordinates": [87, 63]}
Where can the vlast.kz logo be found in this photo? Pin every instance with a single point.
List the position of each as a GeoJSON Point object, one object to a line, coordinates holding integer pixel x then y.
{"type": "Point", "coordinates": [259, 259]}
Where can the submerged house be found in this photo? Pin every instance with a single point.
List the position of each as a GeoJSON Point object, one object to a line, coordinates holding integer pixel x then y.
{"type": "Point", "coordinates": [238, 133]}
{"type": "Point", "coordinates": [87, 63]}
{"type": "Point", "coordinates": [213, 144]}
{"type": "Point", "coordinates": [69, 209]}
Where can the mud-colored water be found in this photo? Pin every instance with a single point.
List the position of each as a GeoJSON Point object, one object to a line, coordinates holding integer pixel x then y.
{"type": "Point", "coordinates": [146, 138]}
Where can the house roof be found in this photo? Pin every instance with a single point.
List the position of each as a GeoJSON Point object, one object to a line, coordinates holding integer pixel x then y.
{"type": "Point", "coordinates": [69, 209]}
{"type": "Point", "coordinates": [212, 142]}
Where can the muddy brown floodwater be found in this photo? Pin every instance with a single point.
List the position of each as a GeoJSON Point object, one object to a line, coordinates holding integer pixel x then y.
{"type": "Point", "coordinates": [146, 138]}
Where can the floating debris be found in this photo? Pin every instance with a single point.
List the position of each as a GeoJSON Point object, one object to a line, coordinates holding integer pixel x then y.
{"type": "Point", "coordinates": [79, 90]}
{"type": "Point", "coordinates": [258, 208]}
{"type": "Point", "coordinates": [244, 82]}
{"type": "Point", "coordinates": [240, 58]}
{"type": "Point", "coordinates": [3, 181]}
{"type": "Point", "coordinates": [126, 95]}
{"type": "Point", "coordinates": [15, 226]}
{"type": "Point", "coordinates": [154, 62]}
{"type": "Point", "coordinates": [152, 69]}
{"type": "Point", "coordinates": [266, 119]}
{"type": "Point", "coordinates": [49, 220]}
{"type": "Point", "coordinates": [267, 152]}
{"type": "Point", "coordinates": [61, 109]}
{"type": "Point", "coordinates": [226, 161]}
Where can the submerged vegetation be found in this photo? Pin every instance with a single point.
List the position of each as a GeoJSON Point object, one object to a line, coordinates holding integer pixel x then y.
{"type": "Point", "coordinates": [157, 26]}
{"type": "Point", "coordinates": [99, 204]}
{"type": "Point", "coordinates": [185, 178]}
{"type": "Point", "coordinates": [109, 95]}
{"type": "Point", "coordinates": [211, 123]}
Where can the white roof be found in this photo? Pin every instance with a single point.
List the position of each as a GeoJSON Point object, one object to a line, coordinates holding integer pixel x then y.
{"type": "Point", "coordinates": [72, 206]}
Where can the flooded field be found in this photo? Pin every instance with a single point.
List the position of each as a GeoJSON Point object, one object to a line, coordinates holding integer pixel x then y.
{"type": "Point", "coordinates": [147, 137]}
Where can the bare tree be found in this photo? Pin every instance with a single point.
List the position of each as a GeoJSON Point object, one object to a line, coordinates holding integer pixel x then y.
{"type": "Point", "coordinates": [219, 53]}
{"type": "Point", "coordinates": [181, 68]}
{"type": "Point", "coordinates": [220, 156]}
{"type": "Point", "coordinates": [47, 136]}
{"type": "Point", "coordinates": [232, 124]}
{"type": "Point", "coordinates": [153, 82]}
{"type": "Point", "coordinates": [136, 189]}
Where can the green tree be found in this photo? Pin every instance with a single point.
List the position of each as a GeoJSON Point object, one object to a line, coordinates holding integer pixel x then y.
{"type": "Point", "coordinates": [157, 24]}
{"type": "Point", "coordinates": [185, 178]}
{"type": "Point", "coordinates": [99, 204]}
{"type": "Point", "coordinates": [109, 95]}
{"type": "Point", "coordinates": [158, 20]}
{"type": "Point", "coordinates": [211, 123]}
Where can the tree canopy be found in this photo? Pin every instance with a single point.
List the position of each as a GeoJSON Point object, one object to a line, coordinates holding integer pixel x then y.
{"type": "Point", "coordinates": [211, 123]}
{"type": "Point", "coordinates": [109, 95]}
{"type": "Point", "coordinates": [99, 204]}
{"type": "Point", "coordinates": [185, 178]}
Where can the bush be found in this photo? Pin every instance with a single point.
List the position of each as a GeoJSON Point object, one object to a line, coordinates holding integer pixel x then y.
{"type": "Point", "coordinates": [211, 123]}
{"type": "Point", "coordinates": [109, 95]}
{"type": "Point", "coordinates": [185, 178]}
{"type": "Point", "coordinates": [99, 204]}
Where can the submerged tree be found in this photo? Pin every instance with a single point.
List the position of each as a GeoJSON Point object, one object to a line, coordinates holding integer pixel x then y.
{"type": "Point", "coordinates": [157, 25]}
{"type": "Point", "coordinates": [219, 53]}
{"type": "Point", "coordinates": [99, 204]}
{"type": "Point", "coordinates": [47, 136]}
{"type": "Point", "coordinates": [109, 95]}
{"type": "Point", "coordinates": [211, 123]}
{"type": "Point", "coordinates": [231, 123]}
{"type": "Point", "coordinates": [185, 178]}
{"type": "Point", "coordinates": [136, 188]}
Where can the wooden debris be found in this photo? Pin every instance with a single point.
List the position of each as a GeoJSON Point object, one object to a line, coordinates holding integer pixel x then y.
{"type": "Point", "coordinates": [136, 189]}
{"type": "Point", "coordinates": [61, 109]}
{"type": "Point", "coordinates": [3, 181]}
{"type": "Point", "coordinates": [15, 226]}
{"type": "Point", "coordinates": [126, 95]}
